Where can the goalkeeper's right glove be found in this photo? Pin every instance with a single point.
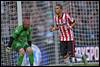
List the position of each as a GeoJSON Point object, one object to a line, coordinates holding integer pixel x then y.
{"type": "Point", "coordinates": [8, 49]}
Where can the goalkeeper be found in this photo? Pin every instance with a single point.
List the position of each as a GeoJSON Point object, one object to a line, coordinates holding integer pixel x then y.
{"type": "Point", "coordinates": [21, 42]}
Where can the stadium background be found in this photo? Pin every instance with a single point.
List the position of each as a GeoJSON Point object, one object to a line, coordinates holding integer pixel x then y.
{"type": "Point", "coordinates": [86, 31]}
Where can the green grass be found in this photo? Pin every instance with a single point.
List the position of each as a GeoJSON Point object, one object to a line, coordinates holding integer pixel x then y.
{"type": "Point", "coordinates": [74, 65]}
{"type": "Point", "coordinates": [85, 65]}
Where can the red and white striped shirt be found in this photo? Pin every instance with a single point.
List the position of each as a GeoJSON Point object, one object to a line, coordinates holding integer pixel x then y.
{"type": "Point", "coordinates": [66, 34]}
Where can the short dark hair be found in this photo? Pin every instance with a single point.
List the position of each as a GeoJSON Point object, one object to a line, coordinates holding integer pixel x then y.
{"type": "Point", "coordinates": [59, 5]}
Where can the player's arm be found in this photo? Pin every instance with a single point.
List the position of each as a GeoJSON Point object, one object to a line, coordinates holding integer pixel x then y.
{"type": "Point", "coordinates": [52, 28]}
{"type": "Point", "coordinates": [10, 42]}
{"type": "Point", "coordinates": [72, 21]}
{"type": "Point", "coordinates": [30, 37]}
{"type": "Point", "coordinates": [8, 49]}
{"type": "Point", "coordinates": [14, 35]}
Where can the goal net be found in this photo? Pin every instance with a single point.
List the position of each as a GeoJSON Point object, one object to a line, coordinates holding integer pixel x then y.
{"type": "Point", "coordinates": [40, 13]}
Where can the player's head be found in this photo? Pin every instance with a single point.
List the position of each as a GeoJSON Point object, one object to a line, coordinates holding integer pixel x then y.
{"type": "Point", "coordinates": [26, 23]}
{"type": "Point", "coordinates": [58, 9]}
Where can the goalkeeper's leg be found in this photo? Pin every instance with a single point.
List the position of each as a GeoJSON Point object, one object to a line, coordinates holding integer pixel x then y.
{"type": "Point", "coordinates": [21, 56]}
{"type": "Point", "coordinates": [30, 54]}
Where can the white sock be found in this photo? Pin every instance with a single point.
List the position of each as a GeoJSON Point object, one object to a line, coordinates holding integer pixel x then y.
{"type": "Point", "coordinates": [78, 56]}
{"type": "Point", "coordinates": [73, 59]}
{"type": "Point", "coordinates": [67, 60]}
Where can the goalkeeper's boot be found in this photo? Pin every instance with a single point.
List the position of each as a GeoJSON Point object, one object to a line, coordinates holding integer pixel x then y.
{"type": "Point", "coordinates": [31, 64]}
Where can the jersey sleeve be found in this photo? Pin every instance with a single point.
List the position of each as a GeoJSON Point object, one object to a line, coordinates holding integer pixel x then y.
{"type": "Point", "coordinates": [68, 17]}
{"type": "Point", "coordinates": [16, 32]}
{"type": "Point", "coordinates": [30, 35]}
{"type": "Point", "coordinates": [55, 21]}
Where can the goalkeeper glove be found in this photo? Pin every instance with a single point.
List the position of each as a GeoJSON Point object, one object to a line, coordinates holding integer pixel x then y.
{"type": "Point", "coordinates": [8, 49]}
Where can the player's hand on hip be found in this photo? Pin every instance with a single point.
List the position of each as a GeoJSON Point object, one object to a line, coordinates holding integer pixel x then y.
{"type": "Point", "coordinates": [69, 27]}
{"type": "Point", "coordinates": [8, 49]}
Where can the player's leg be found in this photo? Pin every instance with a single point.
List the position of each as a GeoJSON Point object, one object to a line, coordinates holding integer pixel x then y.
{"type": "Point", "coordinates": [68, 47]}
{"type": "Point", "coordinates": [71, 48]}
{"type": "Point", "coordinates": [17, 46]}
{"type": "Point", "coordinates": [62, 49]}
{"type": "Point", "coordinates": [73, 51]}
{"type": "Point", "coordinates": [21, 56]}
{"type": "Point", "coordinates": [83, 57]}
{"type": "Point", "coordinates": [76, 55]}
{"type": "Point", "coordinates": [66, 54]}
{"type": "Point", "coordinates": [73, 55]}
{"type": "Point", "coordinates": [30, 54]}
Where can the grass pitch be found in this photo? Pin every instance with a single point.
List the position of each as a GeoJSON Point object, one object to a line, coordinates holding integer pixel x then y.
{"type": "Point", "coordinates": [80, 64]}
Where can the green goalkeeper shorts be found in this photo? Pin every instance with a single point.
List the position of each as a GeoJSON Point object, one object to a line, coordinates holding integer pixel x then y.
{"type": "Point", "coordinates": [16, 46]}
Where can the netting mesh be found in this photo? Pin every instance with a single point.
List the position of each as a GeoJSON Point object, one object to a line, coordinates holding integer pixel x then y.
{"type": "Point", "coordinates": [86, 31]}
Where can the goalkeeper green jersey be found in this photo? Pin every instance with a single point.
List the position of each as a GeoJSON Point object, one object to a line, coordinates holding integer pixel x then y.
{"type": "Point", "coordinates": [21, 37]}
